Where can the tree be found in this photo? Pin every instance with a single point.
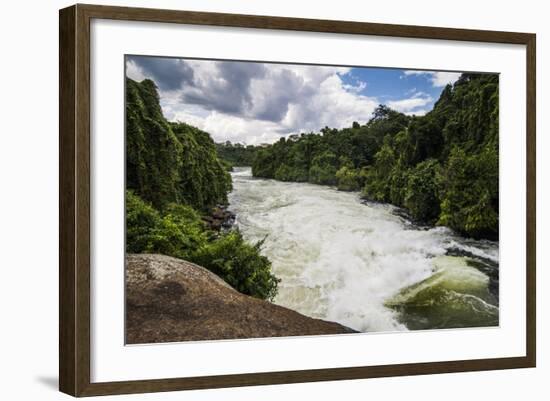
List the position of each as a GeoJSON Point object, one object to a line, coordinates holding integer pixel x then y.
{"type": "Point", "coordinates": [377, 185]}
{"type": "Point", "coordinates": [169, 162]}
{"type": "Point", "coordinates": [323, 169]}
{"type": "Point", "coordinates": [421, 196]}
{"type": "Point", "coordinates": [469, 193]}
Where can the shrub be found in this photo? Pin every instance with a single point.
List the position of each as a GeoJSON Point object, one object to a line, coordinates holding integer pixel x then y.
{"type": "Point", "coordinates": [141, 220]}
{"type": "Point", "coordinates": [284, 173]}
{"type": "Point", "coordinates": [240, 264]}
{"type": "Point", "coordinates": [349, 179]}
{"type": "Point", "coordinates": [180, 232]}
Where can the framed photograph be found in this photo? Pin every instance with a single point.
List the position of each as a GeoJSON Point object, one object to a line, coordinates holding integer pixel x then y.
{"type": "Point", "coordinates": [250, 200]}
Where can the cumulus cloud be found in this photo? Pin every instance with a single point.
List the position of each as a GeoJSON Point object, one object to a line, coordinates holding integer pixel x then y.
{"type": "Point", "coordinates": [225, 127]}
{"type": "Point", "coordinates": [273, 96]}
{"type": "Point", "coordinates": [413, 105]}
{"type": "Point", "coordinates": [437, 78]}
{"type": "Point", "coordinates": [253, 102]}
{"type": "Point", "coordinates": [168, 73]}
{"type": "Point", "coordinates": [257, 103]}
{"type": "Point", "coordinates": [222, 86]}
{"type": "Point", "coordinates": [358, 88]}
{"type": "Point", "coordinates": [332, 105]}
{"type": "Point", "coordinates": [133, 71]}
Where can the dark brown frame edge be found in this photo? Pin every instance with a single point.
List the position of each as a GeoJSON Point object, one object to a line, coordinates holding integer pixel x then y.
{"type": "Point", "coordinates": [74, 199]}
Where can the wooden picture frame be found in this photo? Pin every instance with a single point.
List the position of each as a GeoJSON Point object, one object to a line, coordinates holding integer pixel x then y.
{"type": "Point", "coordinates": [74, 199]}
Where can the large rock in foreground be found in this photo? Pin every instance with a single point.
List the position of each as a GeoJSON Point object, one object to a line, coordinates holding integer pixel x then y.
{"type": "Point", "coordinates": [169, 299]}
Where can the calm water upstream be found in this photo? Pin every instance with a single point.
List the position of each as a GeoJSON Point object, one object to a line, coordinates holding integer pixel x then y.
{"type": "Point", "coordinates": [362, 265]}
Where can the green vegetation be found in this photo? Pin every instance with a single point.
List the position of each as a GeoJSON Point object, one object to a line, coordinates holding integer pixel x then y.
{"type": "Point", "coordinates": [178, 231]}
{"type": "Point", "coordinates": [169, 162]}
{"type": "Point", "coordinates": [441, 167]}
{"type": "Point", "coordinates": [236, 154]}
{"type": "Point", "coordinates": [174, 176]}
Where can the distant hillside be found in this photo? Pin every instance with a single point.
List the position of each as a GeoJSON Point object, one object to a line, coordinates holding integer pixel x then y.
{"type": "Point", "coordinates": [237, 154]}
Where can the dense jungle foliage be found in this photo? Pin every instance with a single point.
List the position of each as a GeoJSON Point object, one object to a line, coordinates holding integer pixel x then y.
{"type": "Point", "coordinates": [173, 176]}
{"type": "Point", "coordinates": [441, 167]}
{"type": "Point", "coordinates": [169, 162]}
{"type": "Point", "coordinates": [178, 231]}
{"type": "Point", "coordinates": [236, 154]}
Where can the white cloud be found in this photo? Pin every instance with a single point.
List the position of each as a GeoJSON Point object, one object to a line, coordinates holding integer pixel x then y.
{"type": "Point", "coordinates": [355, 88]}
{"type": "Point", "coordinates": [412, 105]}
{"type": "Point", "coordinates": [333, 106]}
{"type": "Point", "coordinates": [437, 78]}
{"type": "Point", "coordinates": [224, 127]}
{"type": "Point", "coordinates": [133, 71]}
{"type": "Point", "coordinates": [444, 78]}
{"type": "Point", "coordinates": [256, 103]}
{"type": "Point", "coordinates": [418, 113]}
{"type": "Point", "coordinates": [329, 105]}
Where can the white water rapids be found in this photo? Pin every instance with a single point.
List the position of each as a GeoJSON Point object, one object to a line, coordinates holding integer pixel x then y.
{"type": "Point", "coordinates": [339, 259]}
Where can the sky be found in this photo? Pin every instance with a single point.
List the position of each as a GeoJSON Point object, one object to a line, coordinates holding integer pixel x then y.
{"type": "Point", "coordinates": [254, 103]}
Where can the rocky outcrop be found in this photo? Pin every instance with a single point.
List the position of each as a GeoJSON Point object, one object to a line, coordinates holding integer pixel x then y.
{"type": "Point", "coordinates": [219, 218]}
{"type": "Point", "coordinates": [169, 299]}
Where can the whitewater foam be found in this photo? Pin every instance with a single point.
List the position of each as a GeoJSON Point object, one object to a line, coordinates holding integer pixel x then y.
{"type": "Point", "coordinates": [339, 259]}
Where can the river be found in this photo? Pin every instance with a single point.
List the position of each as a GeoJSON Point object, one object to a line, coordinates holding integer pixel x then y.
{"type": "Point", "coordinates": [361, 264]}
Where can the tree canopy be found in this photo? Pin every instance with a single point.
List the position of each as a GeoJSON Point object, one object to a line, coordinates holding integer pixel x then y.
{"type": "Point", "coordinates": [169, 162]}
{"type": "Point", "coordinates": [442, 167]}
